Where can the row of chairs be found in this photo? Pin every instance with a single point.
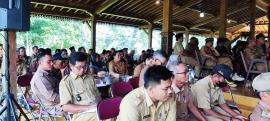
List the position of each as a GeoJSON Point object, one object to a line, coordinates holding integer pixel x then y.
{"type": "Point", "coordinates": [37, 110]}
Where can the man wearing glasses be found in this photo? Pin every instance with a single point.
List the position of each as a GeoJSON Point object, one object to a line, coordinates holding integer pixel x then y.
{"type": "Point", "coordinates": [209, 98]}
{"type": "Point", "coordinates": [159, 58]}
{"type": "Point", "coordinates": [261, 84]}
{"type": "Point", "coordinates": [78, 92]}
{"type": "Point", "coordinates": [183, 96]}
{"type": "Point", "coordinates": [151, 102]}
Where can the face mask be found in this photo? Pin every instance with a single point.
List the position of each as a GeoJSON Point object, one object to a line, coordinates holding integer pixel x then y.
{"type": "Point", "coordinates": [222, 84]}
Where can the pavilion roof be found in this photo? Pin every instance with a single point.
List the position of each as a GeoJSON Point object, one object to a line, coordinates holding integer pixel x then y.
{"type": "Point", "coordinates": [142, 12]}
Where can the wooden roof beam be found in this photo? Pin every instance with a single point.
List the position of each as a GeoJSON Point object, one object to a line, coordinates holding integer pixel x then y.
{"type": "Point", "coordinates": [62, 7]}
{"type": "Point", "coordinates": [182, 8]}
{"type": "Point", "coordinates": [132, 18]}
{"type": "Point", "coordinates": [105, 6]}
{"type": "Point", "coordinates": [262, 5]}
{"type": "Point", "coordinates": [217, 17]}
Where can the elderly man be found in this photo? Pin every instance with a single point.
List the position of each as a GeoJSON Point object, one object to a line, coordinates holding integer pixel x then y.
{"type": "Point", "coordinates": [261, 85]}
{"type": "Point", "coordinates": [45, 86]}
{"type": "Point", "coordinates": [159, 58]}
{"type": "Point", "coordinates": [183, 96]}
{"type": "Point", "coordinates": [153, 101]}
{"type": "Point", "coordinates": [78, 91]}
{"type": "Point", "coordinates": [208, 96]}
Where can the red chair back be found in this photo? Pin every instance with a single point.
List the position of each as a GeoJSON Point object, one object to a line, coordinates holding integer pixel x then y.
{"type": "Point", "coordinates": [109, 108]}
{"type": "Point", "coordinates": [121, 88]}
{"type": "Point", "coordinates": [24, 80]}
{"type": "Point", "coordinates": [134, 82]}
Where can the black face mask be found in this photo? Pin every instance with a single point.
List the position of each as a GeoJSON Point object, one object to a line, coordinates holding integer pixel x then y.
{"type": "Point", "coordinates": [222, 84]}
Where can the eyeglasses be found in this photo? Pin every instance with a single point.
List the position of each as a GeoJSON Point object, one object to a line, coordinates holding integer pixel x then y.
{"type": "Point", "coordinates": [185, 72]}
{"type": "Point", "coordinates": [80, 67]}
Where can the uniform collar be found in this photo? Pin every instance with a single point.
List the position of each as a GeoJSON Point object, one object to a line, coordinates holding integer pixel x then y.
{"type": "Point", "coordinates": [42, 71]}
{"type": "Point", "coordinates": [176, 89]}
{"type": "Point", "coordinates": [211, 84]}
{"type": "Point", "coordinates": [148, 100]}
{"type": "Point", "coordinates": [74, 76]}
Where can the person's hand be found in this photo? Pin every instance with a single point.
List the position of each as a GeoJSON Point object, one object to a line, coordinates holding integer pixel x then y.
{"type": "Point", "coordinates": [241, 118]}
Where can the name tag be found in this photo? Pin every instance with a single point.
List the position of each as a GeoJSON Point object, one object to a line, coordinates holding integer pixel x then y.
{"type": "Point", "coordinates": [146, 116]}
{"type": "Point", "coordinates": [266, 114]}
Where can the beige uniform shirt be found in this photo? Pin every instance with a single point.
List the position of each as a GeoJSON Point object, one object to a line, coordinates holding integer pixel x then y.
{"type": "Point", "coordinates": [138, 106]}
{"type": "Point", "coordinates": [260, 112]}
{"type": "Point", "coordinates": [206, 95]}
{"type": "Point", "coordinates": [251, 53]}
{"type": "Point", "coordinates": [178, 47]}
{"type": "Point", "coordinates": [182, 97]}
{"type": "Point", "coordinates": [72, 85]}
{"type": "Point", "coordinates": [46, 88]}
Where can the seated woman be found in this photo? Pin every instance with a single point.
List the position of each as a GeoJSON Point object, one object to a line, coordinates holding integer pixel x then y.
{"type": "Point", "coordinates": [117, 67]}
{"type": "Point", "coordinates": [146, 62]}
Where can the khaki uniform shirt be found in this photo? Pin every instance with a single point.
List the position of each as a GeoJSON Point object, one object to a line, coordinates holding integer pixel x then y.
{"type": "Point", "coordinates": [178, 47]}
{"type": "Point", "coordinates": [251, 53]}
{"type": "Point", "coordinates": [183, 97]}
{"type": "Point", "coordinates": [120, 67]}
{"type": "Point", "coordinates": [21, 69]}
{"type": "Point", "coordinates": [46, 88]}
{"type": "Point", "coordinates": [259, 112]}
{"type": "Point", "coordinates": [138, 106]}
{"type": "Point", "coordinates": [206, 95]}
{"type": "Point", "coordinates": [72, 85]}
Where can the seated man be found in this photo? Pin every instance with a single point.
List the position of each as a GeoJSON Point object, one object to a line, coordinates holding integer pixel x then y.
{"type": "Point", "coordinates": [213, 57]}
{"type": "Point", "coordinates": [21, 67]}
{"type": "Point", "coordinates": [58, 61]}
{"type": "Point", "coordinates": [78, 92]}
{"type": "Point", "coordinates": [153, 101]}
{"type": "Point", "coordinates": [183, 96]}
{"type": "Point", "coordinates": [45, 86]}
{"type": "Point", "coordinates": [189, 56]}
{"type": "Point", "coordinates": [208, 96]}
{"type": "Point", "coordinates": [261, 85]}
{"type": "Point", "coordinates": [146, 62]}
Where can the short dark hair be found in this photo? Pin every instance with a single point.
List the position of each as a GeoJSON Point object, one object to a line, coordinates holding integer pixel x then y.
{"type": "Point", "coordinates": [42, 52]}
{"type": "Point", "coordinates": [34, 47]}
{"type": "Point", "coordinates": [77, 56]}
{"type": "Point", "coordinates": [260, 35]}
{"type": "Point", "coordinates": [64, 50]}
{"type": "Point", "coordinates": [155, 74]}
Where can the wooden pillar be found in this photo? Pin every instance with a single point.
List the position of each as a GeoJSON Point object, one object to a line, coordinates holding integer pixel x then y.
{"type": "Point", "coordinates": [252, 12]}
{"type": "Point", "coordinates": [12, 67]}
{"type": "Point", "coordinates": [187, 36]}
{"type": "Point", "coordinates": [268, 16]}
{"type": "Point", "coordinates": [223, 18]}
{"type": "Point", "coordinates": [150, 35]}
{"type": "Point", "coordinates": [93, 31]}
{"type": "Point", "coordinates": [166, 40]}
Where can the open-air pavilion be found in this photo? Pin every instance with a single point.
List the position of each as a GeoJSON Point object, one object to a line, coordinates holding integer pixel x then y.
{"type": "Point", "coordinates": [210, 18]}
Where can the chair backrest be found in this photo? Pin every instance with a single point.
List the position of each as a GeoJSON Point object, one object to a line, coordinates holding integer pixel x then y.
{"type": "Point", "coordinates": [108, 108]}
{"type": "Point", "coordinates": [24, 80]}
{"type": "Point", "coordinates": [121, 89]}
{"type": "Point", "coordinates": [244, 60]}
{"type": "Point", "coordinates": [134, 82]}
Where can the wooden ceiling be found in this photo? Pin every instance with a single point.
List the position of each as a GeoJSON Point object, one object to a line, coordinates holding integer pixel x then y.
{"type": "Point", "coordinates": [143, 12]}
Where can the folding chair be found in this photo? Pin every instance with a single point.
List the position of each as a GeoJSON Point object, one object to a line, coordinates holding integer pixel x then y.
{"type": "Point", "coordinates": [134, 82]}
{"type": "Point", "coordinates": [24, 98]}
{"type": "Point", "coordinates": [249, 67]}
{"type": "Point", "coordinates": [43, 113]}
{"type": "Point", "coordinates": [201, 61]}
{"type": "Point", "coordinates": [109, 108]}
{"type": "Point", "coordinates": [120, 89]}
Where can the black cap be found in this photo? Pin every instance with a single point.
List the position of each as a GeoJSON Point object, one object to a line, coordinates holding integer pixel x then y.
{"type": "Point", "coordinates": [209, 40]}
{"type": "Point", "coordinates": [223, 70]}
{"type": "Point", "coordinates": [58, 56]}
